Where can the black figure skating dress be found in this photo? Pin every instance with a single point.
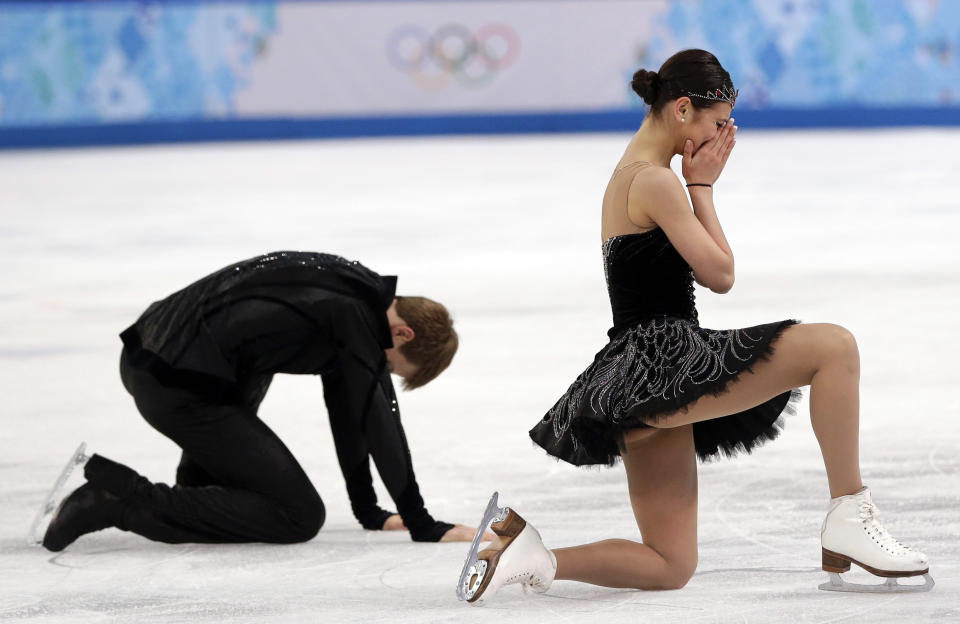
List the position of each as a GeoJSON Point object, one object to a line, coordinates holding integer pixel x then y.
{"type": "Point", "coordinates": [657, 361]}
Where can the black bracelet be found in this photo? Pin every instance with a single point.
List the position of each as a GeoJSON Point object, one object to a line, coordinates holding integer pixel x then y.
{"type": "Point", "coordinates": [699, 184]}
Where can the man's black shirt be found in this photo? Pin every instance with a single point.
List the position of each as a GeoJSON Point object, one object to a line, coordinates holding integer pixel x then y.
{"type": "Point", "coordinates": [299, 313]}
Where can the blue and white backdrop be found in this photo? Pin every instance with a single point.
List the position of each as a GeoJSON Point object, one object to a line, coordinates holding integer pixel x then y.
{"type": "Point", "coordinates": [117, 71]}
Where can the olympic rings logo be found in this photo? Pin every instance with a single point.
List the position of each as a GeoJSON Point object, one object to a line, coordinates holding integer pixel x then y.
{"type": "Point", "coordinates": [453, 52]}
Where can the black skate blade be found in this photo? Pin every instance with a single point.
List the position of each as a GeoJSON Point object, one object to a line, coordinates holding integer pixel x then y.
{"type": "Point", "coordinates": [45, 514]}
{"type": "Point", "coordinates": [470, 566]}
{"type": "Point", "coordinates": [889, 586]}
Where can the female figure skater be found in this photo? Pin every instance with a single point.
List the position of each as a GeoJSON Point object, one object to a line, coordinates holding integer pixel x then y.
{"type": "Point", "coordinates": [664, 390]}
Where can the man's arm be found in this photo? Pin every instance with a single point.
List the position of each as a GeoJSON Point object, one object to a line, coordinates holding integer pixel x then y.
{"type": "Point", "coordinates": [388, 446]}
{"type": "Point", "coordinates": [352, 452]}
{"type": "Point", "coordinates": [365, 418]}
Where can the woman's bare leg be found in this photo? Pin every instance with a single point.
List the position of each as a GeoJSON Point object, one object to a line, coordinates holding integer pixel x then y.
{"type": "Point", "coordinates": [662, 479]}
{"type": "Point", "coordinates": [826, 358]}
{"type": "Point", "coordinates": [661, 463]}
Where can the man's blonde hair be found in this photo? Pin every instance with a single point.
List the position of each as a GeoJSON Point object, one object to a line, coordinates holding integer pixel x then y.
{"type": "Point", "coordinates": [434, 342]}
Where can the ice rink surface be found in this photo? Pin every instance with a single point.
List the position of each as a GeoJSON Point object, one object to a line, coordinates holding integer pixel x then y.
{"type": "Point", "coordinates": [856, 228]}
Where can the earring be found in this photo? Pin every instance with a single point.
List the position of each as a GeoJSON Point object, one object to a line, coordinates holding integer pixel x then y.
{"type": "Point", "coordinates": [683, 119]}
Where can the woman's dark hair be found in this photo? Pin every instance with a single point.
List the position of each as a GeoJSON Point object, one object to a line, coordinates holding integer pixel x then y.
{"type": "Point", "coordinates": [686, 73]}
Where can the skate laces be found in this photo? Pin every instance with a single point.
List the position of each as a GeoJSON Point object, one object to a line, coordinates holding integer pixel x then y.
{"type": "Point", "coordinates": [533, 583]}
{"type": "Point", "coordinates": [870, 513]}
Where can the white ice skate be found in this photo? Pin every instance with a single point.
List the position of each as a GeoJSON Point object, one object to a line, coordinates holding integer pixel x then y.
{"type": "Point", "coordinates": [852, 533]}
{"type": "Point", "coordinates": [522, 559]}
{"type": "Point", "coordinates": [50, 504]}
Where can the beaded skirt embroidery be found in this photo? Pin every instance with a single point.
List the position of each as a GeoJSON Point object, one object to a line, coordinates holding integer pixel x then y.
{"type": "Point", "coordinates": [658, 366]}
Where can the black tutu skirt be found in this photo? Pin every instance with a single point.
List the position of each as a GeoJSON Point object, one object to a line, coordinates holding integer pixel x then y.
{"type": "Point", "coordinates": [657, 368]}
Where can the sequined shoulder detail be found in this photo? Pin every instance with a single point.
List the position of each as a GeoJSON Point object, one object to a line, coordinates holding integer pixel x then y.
{"type": "Point", "coordinates": [617, 238]}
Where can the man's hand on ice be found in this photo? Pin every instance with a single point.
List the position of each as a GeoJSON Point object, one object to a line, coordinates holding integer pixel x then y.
{"type": "Point", "coordinates": [461, 533]}
{"type": "Point", "coordinates": [394, 523]}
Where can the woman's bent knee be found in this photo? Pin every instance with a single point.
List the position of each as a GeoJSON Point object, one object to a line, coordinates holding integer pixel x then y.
{"type": "Point", "coordinates": [677, 575]}
{"type": "Point", "coordinates": [679, 579]}
{"type": "Point", "coordinates": [842, 344]}
{"type": "Point", "coordinates": [673, 574]}
{"type": "Point", "coordinates": [843, 338]}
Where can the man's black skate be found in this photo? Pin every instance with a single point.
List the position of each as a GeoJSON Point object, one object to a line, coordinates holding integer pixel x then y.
{"type": "Point", "coordinates": [86, 510]}
{"type": "Point", "coordinates": [45, 514]}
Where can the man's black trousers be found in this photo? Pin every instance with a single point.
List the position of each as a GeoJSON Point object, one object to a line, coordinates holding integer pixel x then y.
{"type": "Point", "coordinates": [236, 482]}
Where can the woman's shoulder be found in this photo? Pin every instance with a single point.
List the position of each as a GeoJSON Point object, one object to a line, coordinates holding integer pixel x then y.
{"type": "Point", "coordinates": [654, 172]}
{"type": "Point", "coordinates": [655, 181]}
{"type": "Point", "coordinates": [652, 191]}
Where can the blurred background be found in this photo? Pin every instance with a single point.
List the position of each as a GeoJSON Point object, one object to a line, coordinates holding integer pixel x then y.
{"type": "Point", "coordinates": [81, 73]}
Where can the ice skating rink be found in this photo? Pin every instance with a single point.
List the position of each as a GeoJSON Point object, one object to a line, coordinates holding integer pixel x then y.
{"type": "Point", "coordinates": [857, 228]}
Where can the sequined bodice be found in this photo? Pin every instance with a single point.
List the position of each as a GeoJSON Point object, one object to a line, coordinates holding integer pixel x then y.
{"type": "Point", "coordinates": [647, 278]}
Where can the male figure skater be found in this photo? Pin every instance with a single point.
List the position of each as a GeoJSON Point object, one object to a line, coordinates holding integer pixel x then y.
{"type": "Point", "coordinates": [199, 362]}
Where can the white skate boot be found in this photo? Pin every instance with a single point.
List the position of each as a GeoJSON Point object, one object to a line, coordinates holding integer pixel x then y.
{"type": "Point", "coordinates": [852, 533]}
{"type": "Point", "coordinates": [520, 557]}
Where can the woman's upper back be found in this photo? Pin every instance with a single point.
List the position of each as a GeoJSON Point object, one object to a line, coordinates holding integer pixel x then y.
{"type": "Point", "coordinates": [615, 219]}
{"type": "Point", "coordinates": [646, 277]}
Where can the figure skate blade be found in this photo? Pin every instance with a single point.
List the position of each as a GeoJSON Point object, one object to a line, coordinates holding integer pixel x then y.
{"type": "Point", "coordinates": [474, 570]}
{"type": "Point", "coordinates": [889, 586]}
{"type": "Point", "coordinates": [45, 514]}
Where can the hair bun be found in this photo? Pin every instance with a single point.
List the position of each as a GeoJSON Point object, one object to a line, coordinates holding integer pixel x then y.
{"type": "Point", "coordinates": [647, 85]}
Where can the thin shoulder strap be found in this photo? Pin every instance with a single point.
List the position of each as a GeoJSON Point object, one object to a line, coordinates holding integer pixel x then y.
{"type": "Point", "coordinates": [630, 164]}
{"type": "Point", "coordinates": [617, 193]}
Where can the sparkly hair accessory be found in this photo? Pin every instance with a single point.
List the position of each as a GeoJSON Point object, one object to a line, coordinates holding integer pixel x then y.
{"type": "Point", "coordinates": [723, 94]}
